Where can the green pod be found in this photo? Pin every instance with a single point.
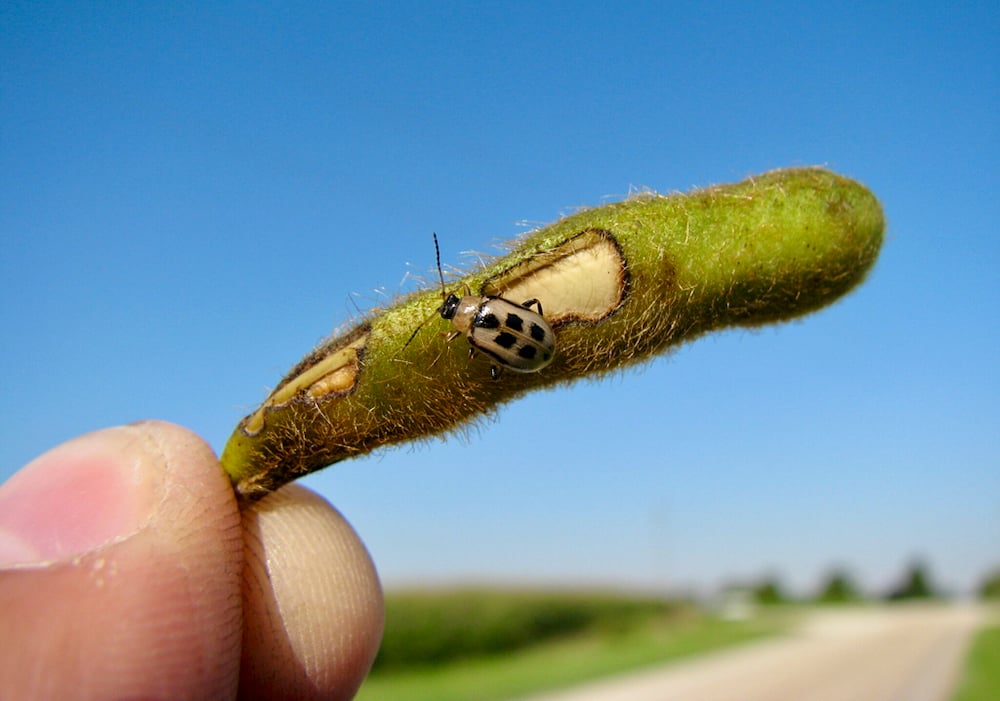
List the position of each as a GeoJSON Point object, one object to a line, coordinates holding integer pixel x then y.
{"type": "Point", "coordinates": [618, 284]}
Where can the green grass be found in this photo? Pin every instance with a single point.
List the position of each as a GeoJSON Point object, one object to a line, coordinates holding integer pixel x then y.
{"type": "Point", "coordinates": [595, 651]}
{"type": "Point", "coordinates": [981, 679]}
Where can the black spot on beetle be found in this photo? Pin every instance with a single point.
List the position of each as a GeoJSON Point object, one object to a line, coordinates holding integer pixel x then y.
{"type": "Point", "coordinates": [487, 321]}
{"type": "Point", "coordinates": [515, 322]}
{"type": "Point", "coordinates": [527, 352]}
{"type": "Point", "coordinates": [537, 333]}
{"type": "Point", "coordinates": [505, 340]}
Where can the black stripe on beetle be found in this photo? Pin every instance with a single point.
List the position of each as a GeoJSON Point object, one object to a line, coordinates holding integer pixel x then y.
{"type": "Point", "coordinates": [505, 340]}
{"type": "Point", "coordinates": [487, 321]}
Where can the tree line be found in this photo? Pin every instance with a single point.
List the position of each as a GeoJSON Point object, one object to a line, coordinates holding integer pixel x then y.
{"type": "Point", "coordinates": [840, 587]}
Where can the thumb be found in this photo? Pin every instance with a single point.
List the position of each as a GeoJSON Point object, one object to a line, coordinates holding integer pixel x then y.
{"type": "Point", "coordinates": [120, 562]}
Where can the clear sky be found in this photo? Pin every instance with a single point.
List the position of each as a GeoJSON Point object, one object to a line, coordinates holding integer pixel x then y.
{"type": "Point", "coordinates": [192, 195]}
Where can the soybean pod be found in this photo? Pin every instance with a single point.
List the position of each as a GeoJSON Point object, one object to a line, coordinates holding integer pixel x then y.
{"type": "Point", "coordinates": [619, 284]}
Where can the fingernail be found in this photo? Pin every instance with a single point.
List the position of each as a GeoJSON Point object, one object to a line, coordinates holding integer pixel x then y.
{"type": "Point", "coordinates": [82, 495]}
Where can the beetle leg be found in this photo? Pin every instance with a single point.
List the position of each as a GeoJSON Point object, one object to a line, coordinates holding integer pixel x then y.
{"type": "Point", "coordinates": [527, 305]}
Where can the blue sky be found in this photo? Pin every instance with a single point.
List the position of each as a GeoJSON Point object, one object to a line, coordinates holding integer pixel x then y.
{"type": "Point", "coordinates": [192, 196]}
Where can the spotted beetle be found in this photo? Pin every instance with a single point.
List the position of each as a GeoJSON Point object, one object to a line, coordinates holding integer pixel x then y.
{"type": "Point", "coordinates": [513, 336]}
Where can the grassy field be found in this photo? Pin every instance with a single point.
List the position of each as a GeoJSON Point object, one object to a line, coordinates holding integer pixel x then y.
{"type": "Point", "coordinates": [484, 646]}
{"type": "Point", "coordinates": [981, 678]}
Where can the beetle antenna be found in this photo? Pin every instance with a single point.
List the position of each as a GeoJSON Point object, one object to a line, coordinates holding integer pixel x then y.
{"type": "Point", "coordinates": [412, 336]}
{"type": "Point", "coordinates": [437, 255]}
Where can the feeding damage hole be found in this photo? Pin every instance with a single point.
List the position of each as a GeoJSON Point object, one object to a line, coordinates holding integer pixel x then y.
{"type": "Point", "coordinates": [584, 279]}
{"type": "Point", "coordinates": [334, 374]}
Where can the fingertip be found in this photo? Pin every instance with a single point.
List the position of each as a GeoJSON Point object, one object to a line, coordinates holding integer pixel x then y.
{"type": "Point", "coordinates": [146, 602]}
{"type": "Point", "coordinates": [313, 610]}
{"type": "Point", "coordinates": [77, 497]}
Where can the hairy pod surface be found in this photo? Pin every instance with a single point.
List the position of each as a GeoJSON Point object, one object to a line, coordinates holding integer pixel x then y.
{"type": "Point", "coordinates": [618, 283]}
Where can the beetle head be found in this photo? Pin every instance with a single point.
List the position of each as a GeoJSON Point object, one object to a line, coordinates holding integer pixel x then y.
{"type": "Point", "coordinates": [450, 307]}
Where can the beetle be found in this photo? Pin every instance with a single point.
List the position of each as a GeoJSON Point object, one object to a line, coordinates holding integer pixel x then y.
{"type": "Point", "coordinates": [514, 336]}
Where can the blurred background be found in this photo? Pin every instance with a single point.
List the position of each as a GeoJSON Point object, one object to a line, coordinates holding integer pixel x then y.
{"type": "Point", "coordinates": [193, 195]}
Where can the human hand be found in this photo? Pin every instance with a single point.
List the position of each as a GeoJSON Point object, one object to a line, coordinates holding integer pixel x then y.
{"type": "Point", "coordinates": [128, 571]}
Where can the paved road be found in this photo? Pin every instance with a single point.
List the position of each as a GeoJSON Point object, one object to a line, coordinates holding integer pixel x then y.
{"type": "Point", "coordinates": [909, 653]}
